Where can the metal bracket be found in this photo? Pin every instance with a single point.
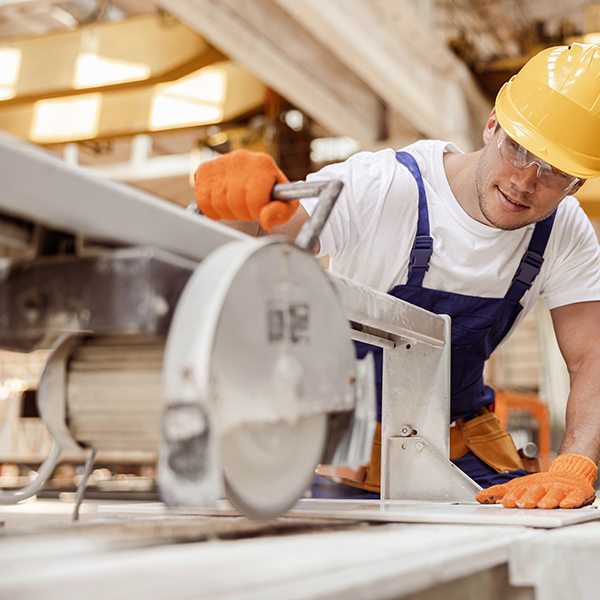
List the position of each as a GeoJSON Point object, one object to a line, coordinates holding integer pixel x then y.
{"type": "Point", "coordinates": [415, 424]}
{"type": "Point", "coordinates": [417, 471]}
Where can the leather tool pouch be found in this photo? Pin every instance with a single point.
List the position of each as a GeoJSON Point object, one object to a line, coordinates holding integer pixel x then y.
{"type": "Point", "coordinates": [366, 477]}
{"type": "Point", "coordinates": [487, 439]}
{"type": "Point", "coordinates": [483, 435]}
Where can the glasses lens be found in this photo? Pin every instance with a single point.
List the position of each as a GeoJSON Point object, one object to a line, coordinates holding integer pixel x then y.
{"type": "Point", "coordinates": [521, 158]}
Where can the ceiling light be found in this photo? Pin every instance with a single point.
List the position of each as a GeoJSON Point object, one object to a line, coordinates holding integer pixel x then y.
{"type": "Point", "coordinates": [10, 63]}
{"type": "Point", "coordinates": [332, 149]}
{"type": "Point", "coordinates": [66, 119]}
{"type": "Point", "coordinates": [207, 85]}
{"type": "Point", "coordinates": [170, 112]}
{"type": "Point", "coordinates": [294, 119]}
{"type": "Point", "coordinates": [193, 100]}
{"type": "Point", "coordinates": [92, 70]}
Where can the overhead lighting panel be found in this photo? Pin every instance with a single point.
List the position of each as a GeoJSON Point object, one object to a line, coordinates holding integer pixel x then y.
{"type": "Point", "coordinates": [92, 70]}
{"type": "Point", "coordinates": [65, 119]}
{"type": "Point", "coordinates": [193, 100]}
{"type": "Point", "coordinates": [10, 64]}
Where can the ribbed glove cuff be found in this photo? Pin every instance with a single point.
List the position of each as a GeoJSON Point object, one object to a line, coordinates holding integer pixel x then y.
{"type": "Point", "coordinates": [575, 464]}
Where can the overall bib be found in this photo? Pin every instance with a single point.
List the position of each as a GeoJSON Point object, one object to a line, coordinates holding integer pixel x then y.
{"type": "Point", "coordinates": [478, 326]}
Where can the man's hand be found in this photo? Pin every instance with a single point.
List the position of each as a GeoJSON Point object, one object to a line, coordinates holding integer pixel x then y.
{"type": "Point", "coordinates": [567, 484]}
{"type": "Point", "coordinates": [237, 187]}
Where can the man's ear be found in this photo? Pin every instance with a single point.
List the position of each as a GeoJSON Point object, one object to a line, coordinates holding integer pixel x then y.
{"type": "Point", "coordinates": [577, 187]}
{"type": "Point", "coordinates": [490, 127]}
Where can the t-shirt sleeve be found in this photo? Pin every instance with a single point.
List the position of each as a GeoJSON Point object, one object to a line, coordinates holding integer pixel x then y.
{"type": "Point", "coordinates": [574, 275]}
{"type": "Point", "coordinates": [367, 178]}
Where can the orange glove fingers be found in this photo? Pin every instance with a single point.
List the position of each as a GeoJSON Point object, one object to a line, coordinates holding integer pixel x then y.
{"type": "Point", "coordinates": [553, 498]}
{"type": "Point", "coordinates": [207, 208]}
{"type": "Point", "coordinates": [277, 213]}
{"type": "Point", "coordinates": [264, 176]}
{"type": "Point", "coordinates": [228, 204]}
{"type": "Point", "coordinates": [492, 495]}
{"type": "Point", "coordinates": [249, 189]}
{"type": "Point", "coordinates": [542, 496]}
{"type": "Point", "coordinates": [509, 501]}
{"type": "Point", "coordinates": [495, 493]}
{"type": "Point", "coordinates": [568, 484]}
{"type": "Point", "coordinates": [576, 499]}
{"type": "Point", "coordinates": [237, 185]}
{"type": "Point", "coordinates": [204, 185]}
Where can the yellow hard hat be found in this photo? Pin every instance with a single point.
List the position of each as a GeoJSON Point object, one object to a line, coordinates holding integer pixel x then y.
{"type": "Point", "coordinates": [551, 107]}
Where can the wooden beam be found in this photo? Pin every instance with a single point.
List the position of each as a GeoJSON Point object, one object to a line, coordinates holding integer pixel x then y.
{"type": "Point", "coordinates": [404, 63]}
{"type": "Point", "coordinates": [48, 65]}
{"type": "Point", "coordinates": [130, 111]}
{"type": "Point", "coordinates": [277, 48]}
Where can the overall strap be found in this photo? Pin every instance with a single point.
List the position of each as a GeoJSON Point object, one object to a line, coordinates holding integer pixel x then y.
{"type": "Point", "coordinates": [532, 260]}
{"type": "Point", "coordinates": [423, 244]}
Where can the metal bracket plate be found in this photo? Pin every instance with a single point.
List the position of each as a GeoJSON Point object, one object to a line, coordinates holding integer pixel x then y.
{"type": "Point", "coordinates": [417, 471]}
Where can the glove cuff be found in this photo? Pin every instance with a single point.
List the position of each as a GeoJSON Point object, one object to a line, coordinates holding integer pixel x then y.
{"type": "Point", "coordinates": [575, 464]}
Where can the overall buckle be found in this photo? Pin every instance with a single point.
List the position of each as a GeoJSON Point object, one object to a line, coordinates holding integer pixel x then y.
{"type": "Point", "coordinates": [529, 268]}
{"type": "Point", "coordinates": [421, 252]}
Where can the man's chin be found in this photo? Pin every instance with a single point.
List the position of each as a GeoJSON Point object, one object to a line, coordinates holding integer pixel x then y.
{"type": "Point", "coordinates": [505, 221]}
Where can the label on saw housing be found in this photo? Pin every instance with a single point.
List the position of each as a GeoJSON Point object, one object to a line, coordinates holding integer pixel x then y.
{"type": "Point", "coordinates": [288, 321]}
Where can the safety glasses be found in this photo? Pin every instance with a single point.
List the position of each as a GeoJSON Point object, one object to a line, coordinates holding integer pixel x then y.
{"type": "Point", "coordinates": [522, 159]}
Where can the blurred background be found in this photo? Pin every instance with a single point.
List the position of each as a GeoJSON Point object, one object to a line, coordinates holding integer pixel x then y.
{"type": "Point", "coordinates": [143, 92]}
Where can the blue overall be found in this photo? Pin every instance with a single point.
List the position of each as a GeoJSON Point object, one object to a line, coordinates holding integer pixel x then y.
{"type": "Point", "coordinates": [478, 326]}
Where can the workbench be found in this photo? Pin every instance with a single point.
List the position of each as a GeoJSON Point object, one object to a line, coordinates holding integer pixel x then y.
{"type": "Point", "coordinates": [130, 550]}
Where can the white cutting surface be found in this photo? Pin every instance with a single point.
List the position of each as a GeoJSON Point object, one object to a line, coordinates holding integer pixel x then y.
{"type": "Point", "coordinates": [397, 512]}
{"type": "Point", "coordinates": [460, 514]}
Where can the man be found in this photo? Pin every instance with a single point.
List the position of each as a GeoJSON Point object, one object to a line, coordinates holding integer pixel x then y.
{"type": "Point", "coordinates": [478, 236]}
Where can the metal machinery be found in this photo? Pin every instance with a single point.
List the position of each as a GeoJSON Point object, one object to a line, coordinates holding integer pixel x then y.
{"type": "Point", "coordinates": [233, 355]}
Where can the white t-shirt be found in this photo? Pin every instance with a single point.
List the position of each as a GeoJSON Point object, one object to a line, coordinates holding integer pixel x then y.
{"type": "Point", "coordinates": [370, 233]}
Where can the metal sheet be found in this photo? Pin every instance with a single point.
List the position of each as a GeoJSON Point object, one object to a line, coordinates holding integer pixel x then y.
{"type": "Point", "coordinates": [38, 186]}
{"type": "Point", "coordinates": [377, 310]}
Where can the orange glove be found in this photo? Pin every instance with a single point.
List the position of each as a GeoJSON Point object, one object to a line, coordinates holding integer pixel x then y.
{"type": "Point", "coordinates": [237, 187]}
{"type": "Point", "coordinates": [567, 484]}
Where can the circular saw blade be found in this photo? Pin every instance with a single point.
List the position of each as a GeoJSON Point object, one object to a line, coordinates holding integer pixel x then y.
{"type": "Point", "coordinates": [260, 340]}
{"type": "Point", "coordinates": [267, 467]}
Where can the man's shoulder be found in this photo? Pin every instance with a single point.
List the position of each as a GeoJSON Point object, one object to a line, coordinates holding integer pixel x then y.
{"type": "Point", "coordinates": [570, 214]}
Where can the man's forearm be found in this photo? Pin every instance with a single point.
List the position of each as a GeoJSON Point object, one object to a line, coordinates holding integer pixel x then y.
{"type": "Point", "coordinates": [583, 411]}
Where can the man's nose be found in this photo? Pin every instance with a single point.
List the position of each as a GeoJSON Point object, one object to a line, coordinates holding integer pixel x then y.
{"type": "Point", "coordinates": [525, 179]}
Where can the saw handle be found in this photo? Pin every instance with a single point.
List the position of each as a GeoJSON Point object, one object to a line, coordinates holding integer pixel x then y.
{"type": "Point", "coordinates": [327, 192]}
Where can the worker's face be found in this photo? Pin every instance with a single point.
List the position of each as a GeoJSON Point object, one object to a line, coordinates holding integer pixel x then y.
{"type": "Point", "coordinates": [511, 197]}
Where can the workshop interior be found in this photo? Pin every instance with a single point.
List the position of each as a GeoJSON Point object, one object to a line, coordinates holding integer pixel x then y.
{"type": "Point", "coordinates": [169, 385]}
